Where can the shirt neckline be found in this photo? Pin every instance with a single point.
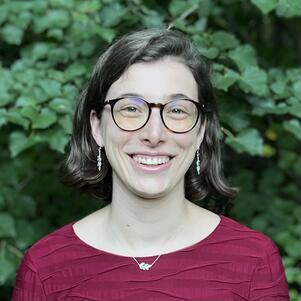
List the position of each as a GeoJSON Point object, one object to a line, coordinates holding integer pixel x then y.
{"type": "Point", "coordinates": [193, 246]}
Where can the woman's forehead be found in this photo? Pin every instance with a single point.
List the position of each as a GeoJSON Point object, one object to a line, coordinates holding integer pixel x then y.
{"type": "Point", "coordinates": [158, 79]}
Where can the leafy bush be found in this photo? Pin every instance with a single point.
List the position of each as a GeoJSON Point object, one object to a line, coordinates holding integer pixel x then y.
{"type": "Point", "coordinates": [47, 50]}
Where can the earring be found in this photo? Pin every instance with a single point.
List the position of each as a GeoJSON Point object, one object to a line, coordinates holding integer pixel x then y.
{"type": "Point", "coordinates": [99, 162]}
{"type": "Point", "coordinates": [198, 163]}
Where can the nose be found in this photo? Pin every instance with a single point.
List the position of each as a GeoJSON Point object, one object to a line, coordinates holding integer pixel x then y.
{"type": "Point", "coordinates": [154, 132]}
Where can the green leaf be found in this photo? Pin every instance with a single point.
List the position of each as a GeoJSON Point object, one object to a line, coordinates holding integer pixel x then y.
{"type": "Point", "coordinates": [45, 119]}
{"type": "Point", "coordinates": [153, 20]}
{"type": "Point", "coordinates": [62, 3]}
{"type": "Point", "coordinates": [30, 112]}
{"type": "Point", "coordinates": [56, 18]}
{"type": "Point", "coordinates": [40, 50]}
{"type": "Point", "coordinates": [40, 7]}
{"type": "Point", "coordinates": [17, 143]}
{"type": "Point", "coordinates": [8, 268]}
{"type": "Point", "coordinates": [293, 74]}
{"type": "Point", "coordinates": [177, 7]}
{"type": "Point", "coordinates": [254, 80]}
{"type": "Point", "coordinates": [27, 233]}
{"type": "Point", "coordinates": [75, 70]}
{"type": "Point", "coordinates": [6, 83]}
{"type": "Point", "coordinates": [234, 113]}
{"type": "Point", "coordinates": [243, 56]}
{"type": "Point", "coordinates": [23, 206]}
{"type": "Point", "coordinates": [107, 34]}
{"type": "Point", "coordinates": [89, 6]}
{"type": "Point", "coordinates": [87, 48]}
{"type": "Point", "coordinates": [23, 20]}
{"type": "Point", "coordinates": [57, 140]}
{"type": "Point", "coordinates": [265, 5]}
{"type": "Point", "coordinates": [287, 159]}
{"type": "Point", "coordinates": [288, 9]}
{"type": "Point", "coordinates": [294, 107]}
{"type": "Point", "coordinates": [4, 12]}
{"type": "Point", "coordinates": [12, 34]}
{"type": "Point", "coordinates": [59, 55]}
{"type": "Point", "coordinates": [297, 89]}
{"type": "Point", "coordinates": [55, 33]}
{"type": "Point", "coordinates": [3, 119]}
{"type": "Point", "coordinates": [60, 105]}
{"type": "Point", "coordinates": [248, 141]}
{"type": "Point", "coordinates": [262, 106]}
{"type": "Point", "coordinates": [51, 87]}
{"type": "Point", "coordinates": [70, 92]}
{"type": "Point", "coordinates": [269, 107]}
{"type": "Point", "coordinates": [56, 75]}
{"type": "Point", "coordinates": [2, 202]}
{"type": "Point", "coordinates": [206, 7]}
{"type": "Point", "coordinates": [224, 40]}
{"type": "Point", "coordinates": [278, 87]}
{"type": "Point", "coordinates": [111, 14]}
{"type": "Point", "coordinates": [13, 115]}
{"type": "Point", "coordinates": [7, 225]}
{"type": "Point", "coordinates": [209, 52]}
{"type": "Point", "coordinates": [293, 126]}
{"type": "Point", "coordinates": [66, 123]}
{"type": "Point", "coordinates": [268, 151]}
{"type": "Point", "coordinates": [278, 83]}
{"type": "Point", "coordinates": [224, 81]}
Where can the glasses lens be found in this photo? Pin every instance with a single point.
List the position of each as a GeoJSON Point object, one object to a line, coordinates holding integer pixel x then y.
{"type": "Point", "coordinates": [130, 113]}
{"type": "Point", "coordinates": [180, 115]}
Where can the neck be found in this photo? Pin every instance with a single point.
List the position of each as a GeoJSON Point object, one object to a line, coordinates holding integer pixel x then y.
{"type": "Point", "coordinates": [144, 225]}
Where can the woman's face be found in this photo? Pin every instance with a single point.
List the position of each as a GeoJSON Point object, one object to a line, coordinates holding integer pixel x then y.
{"type": "Point", "coordinates": [154, 82]}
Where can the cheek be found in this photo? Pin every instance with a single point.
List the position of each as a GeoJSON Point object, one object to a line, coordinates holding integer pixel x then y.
{"type": "Point", "coordinates": [115, 139]}
{"type": "Point", "coordinates": [187, 141]}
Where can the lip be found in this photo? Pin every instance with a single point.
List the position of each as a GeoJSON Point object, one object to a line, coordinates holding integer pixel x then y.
{"type": "Point", "coordinates": [150, 169]}
{"type": "Point", "coordinates": [151, 154]}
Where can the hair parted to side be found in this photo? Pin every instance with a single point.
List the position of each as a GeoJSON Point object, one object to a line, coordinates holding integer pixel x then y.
{"type": "Point", "coordinates": [79, 169]}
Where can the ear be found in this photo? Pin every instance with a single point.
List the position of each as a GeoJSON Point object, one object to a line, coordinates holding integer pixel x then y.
{"type": "Point", "coordinates": [96, 128]}
{"type": "Point", "coordinates": [201, 133]}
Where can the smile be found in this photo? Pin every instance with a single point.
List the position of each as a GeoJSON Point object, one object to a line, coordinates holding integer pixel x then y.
{"type": "Point", "coordinates": [151, 160]}
{"type": "Point", "coordinates": [151, 164]}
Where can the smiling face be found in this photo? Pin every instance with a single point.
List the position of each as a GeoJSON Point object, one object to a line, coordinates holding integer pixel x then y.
{"type": "Point", "coordinates": [151, 161]}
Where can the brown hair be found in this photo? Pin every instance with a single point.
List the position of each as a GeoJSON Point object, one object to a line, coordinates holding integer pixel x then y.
{"type": "Point", "coordinates": [79, 168]}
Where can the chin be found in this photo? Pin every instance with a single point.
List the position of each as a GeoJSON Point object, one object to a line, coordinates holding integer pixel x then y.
{"type": "Point", "coordinates": [150, 190]}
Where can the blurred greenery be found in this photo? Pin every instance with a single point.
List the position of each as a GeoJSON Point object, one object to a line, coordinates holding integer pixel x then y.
{"type": "Point", "coordinates": [47, 50]}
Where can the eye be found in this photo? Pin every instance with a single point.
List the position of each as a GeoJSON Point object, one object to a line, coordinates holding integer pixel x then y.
{"type": "Point", "coordinates": [178, 111]}
{"type": "Point", "coordinates": [130, 109]}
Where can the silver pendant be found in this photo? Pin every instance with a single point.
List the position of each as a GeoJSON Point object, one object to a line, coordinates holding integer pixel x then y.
{"type": "Point", "coordinates": [144, 266]}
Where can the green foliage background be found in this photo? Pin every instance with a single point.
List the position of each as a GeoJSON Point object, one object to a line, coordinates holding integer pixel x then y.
{"type": "Point", "coordinates": [47, 51]}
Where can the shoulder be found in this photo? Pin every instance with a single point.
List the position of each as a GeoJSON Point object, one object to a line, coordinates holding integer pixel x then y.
{"type": "Point", "coordinates": [252, 251]}
{"type": "Point", "coordinates": [52, 248]}
{"type": "Point", "coordinates": [247, 240]}
{"type": "Point", "coordinates": [41, 261]}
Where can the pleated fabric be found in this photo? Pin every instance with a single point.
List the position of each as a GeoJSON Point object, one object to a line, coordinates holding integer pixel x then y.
{"type": "Point", "coordinates": [233, 263]}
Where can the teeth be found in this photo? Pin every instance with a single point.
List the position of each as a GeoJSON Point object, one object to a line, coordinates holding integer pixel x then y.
{"type": "Point", "coordinates": [151, 160]}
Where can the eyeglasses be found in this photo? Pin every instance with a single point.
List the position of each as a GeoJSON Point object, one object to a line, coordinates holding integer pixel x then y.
{"type": "Point", "coordinates": [132, 113]}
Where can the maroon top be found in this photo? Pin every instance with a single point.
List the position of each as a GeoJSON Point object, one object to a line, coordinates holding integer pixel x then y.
{"type": "Point", "coordinates": [232, 263]}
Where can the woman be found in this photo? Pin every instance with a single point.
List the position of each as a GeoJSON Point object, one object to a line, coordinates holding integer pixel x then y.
{"type": "Point", "coordinates": [146, 137]}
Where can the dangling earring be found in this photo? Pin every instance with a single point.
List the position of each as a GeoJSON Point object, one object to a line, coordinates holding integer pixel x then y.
{"type": "Point", "coordinates": [198, 163]}
{"type": "Point", "coordinates": [99, 163]}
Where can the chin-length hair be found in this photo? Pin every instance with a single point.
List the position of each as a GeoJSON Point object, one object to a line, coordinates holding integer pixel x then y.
{"type": "Point", "coordinates": [79, 169]}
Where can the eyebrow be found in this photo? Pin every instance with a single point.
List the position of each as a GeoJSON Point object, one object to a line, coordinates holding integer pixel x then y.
{"type": "Point", "coordinates": [169, 97]}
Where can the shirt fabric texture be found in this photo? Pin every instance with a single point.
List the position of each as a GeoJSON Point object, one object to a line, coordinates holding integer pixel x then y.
{"type": "Point", "coordinates": [233, 263]}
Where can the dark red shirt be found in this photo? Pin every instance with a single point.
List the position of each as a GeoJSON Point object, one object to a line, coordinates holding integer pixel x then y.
{"type": "Point", "coordinates": [232, 263]}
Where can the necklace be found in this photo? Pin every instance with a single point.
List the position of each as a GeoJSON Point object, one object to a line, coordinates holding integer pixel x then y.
{"type": "Point", "coordinates": [146, 266]}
